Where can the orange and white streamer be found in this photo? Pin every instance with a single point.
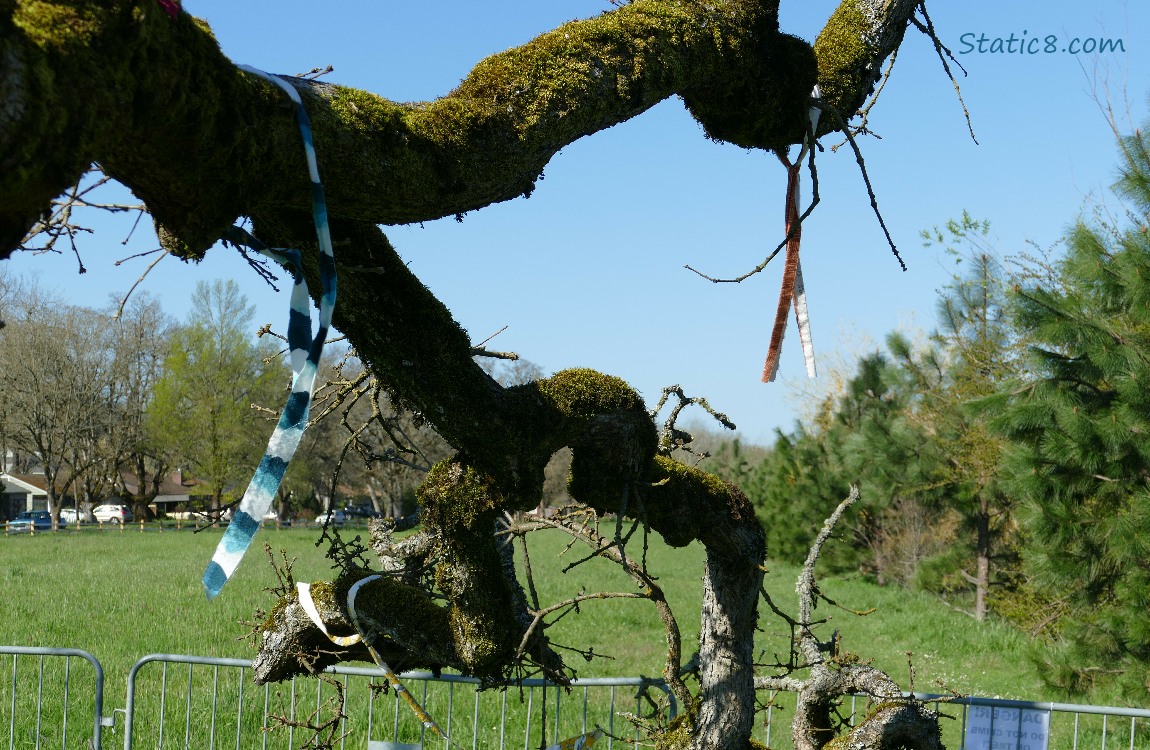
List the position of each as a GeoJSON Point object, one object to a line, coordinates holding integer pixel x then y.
{"type": "Point", "coordinates": [793, 289]}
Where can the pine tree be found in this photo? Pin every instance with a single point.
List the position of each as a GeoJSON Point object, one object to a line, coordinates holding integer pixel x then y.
{"type": "Point", "coordinates": [972, 352]}
{"type": "Point", "coordinates": [1082, 461]}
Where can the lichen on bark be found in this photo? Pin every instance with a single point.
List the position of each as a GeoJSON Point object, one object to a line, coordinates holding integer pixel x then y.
{"type": "Point", "coordinates": [202, 143]}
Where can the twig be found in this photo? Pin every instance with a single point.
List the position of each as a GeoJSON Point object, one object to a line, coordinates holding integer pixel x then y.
{"type": "Point", "coordinates": [795, 229]}
{"type": "Point", "coordinates": [807, 588]}
{"type": "Point", "coordinates": [866, 180]}
{"type": "Point", "coordinates": [124, 299]}
{"type": "Point", "coordinates": [671, 437]}
{"type": "Point", "coordinates": [864, 113]}
{"type": "Point", "coordinates": [943, 53]}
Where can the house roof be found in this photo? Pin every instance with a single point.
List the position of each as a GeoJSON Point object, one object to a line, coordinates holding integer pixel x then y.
{"type": "Point", "coordinates": [28, 483]}
{"type": "Point", "coordinates": [173, 484]}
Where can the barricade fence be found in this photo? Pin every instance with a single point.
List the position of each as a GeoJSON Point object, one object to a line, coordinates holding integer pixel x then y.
{"type": "Point", "coordinates": [195, 702]}
{"type": "Point", "coordinates": [51, 697]}
{"type": "Point", "coordinates": [54, 698]}
{"type": "Point", "coordinates": [177, 701]}
{"type": "Point", "coordinates": [974, 723]}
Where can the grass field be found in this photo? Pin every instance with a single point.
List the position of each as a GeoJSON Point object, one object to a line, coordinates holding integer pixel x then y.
{"type": "Point", "coordinates": [124, 595]}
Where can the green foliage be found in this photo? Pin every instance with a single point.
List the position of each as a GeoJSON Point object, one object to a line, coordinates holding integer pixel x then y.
{"type": "Point", "coordinates": [903, 428]}
{"type": "Point", "coordinates": [1082, 459]}
{"type": "Point", "coordinates": [213, 375]}
{"type": "Point", "coordinates": [794, 489]}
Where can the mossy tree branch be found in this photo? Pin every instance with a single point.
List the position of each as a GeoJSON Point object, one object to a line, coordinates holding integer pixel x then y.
{"type": "Point", "coordinates": [202, 142]}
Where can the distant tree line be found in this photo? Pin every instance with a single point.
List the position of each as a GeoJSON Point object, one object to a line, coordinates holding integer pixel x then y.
{"type": "Point", "coordinates": [1003, 459]}
{"type": "Point", "coordinates": [109, 403]}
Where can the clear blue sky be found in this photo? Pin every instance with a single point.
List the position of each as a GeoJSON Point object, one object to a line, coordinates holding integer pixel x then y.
{"type": "Point", "coordinates": [590, 270]}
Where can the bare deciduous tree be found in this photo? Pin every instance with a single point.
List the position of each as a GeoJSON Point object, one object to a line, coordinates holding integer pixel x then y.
{"type": "Point", "coordinates": [140, 337]}
{"type": "Point", "coordinates": [55, 373]}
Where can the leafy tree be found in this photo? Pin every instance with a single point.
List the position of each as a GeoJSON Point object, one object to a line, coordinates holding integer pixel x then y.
{"type": "Point", "coordinates": [906, 429]}
{"type": "Point", "coordinates": [213, 374]}
{"type": "Point", "coordinates": [798, 480]}
{"type": "Point", "coordinates": [978, 350]}
{"type": "Point", "coordinates": [877, 440]}
{"type": "Point", "coordinates": [1081, 463]}
{"type": "Point", "coordinates": [383, 162]}
{"type": "Point", "coordinates": [860, 436]}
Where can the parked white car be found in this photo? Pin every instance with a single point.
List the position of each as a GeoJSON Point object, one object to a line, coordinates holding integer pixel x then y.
{"type": "Point", "coordinates": [337, 518]}
{"type": "Point", "coordinates": [71, 515]}
{"type": "Point", "coordinates": [112, 513]}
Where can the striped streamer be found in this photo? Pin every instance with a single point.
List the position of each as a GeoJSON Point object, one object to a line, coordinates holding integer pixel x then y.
{"type": "Point", "coordinates": [305, 354]}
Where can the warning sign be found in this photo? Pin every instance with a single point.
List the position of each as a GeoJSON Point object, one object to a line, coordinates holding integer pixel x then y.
{"type": "Point", "coordinates": [1006, 728]}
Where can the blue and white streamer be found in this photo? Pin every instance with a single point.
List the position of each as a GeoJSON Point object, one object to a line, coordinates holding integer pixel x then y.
{"type": "Point", "coordinates": [305, 354]}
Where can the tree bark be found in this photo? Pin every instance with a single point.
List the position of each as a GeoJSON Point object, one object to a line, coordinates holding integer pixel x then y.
{"type": "Point", "coordinates": [203, 143]}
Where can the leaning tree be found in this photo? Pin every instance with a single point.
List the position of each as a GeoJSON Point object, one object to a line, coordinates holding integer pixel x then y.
{"type": "Point", "coordinates": [142, 89]}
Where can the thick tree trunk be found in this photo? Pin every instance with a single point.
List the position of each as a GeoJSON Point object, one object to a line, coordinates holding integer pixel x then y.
{"type": "Point", "coordinates": [726, 656]}
{"type": "Point", "coordinates": [202, 143]}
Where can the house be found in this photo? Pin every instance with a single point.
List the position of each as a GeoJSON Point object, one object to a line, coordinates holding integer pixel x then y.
{"type": "Point", "coordinates": [21, 492]}
{"type": "Point", "coordinates": [176, 491]}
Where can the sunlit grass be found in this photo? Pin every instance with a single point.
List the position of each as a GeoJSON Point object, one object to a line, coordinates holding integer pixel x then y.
{"type": "Point", "coordinates": [124, 595]}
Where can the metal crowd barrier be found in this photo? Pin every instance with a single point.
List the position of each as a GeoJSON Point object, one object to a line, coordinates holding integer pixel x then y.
{"type": "Point", "coordinates": [46, 703]}
{"type": "Point", "coordinates": [177, 701]}
{"type": "Point", "coordinates": [974, 723]}
{"type": "Point", "coordinates": [182, 701]}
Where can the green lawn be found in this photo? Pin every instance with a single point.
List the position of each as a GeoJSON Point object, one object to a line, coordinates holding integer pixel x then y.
{"type": "Point", "coordinates": [123, 595]}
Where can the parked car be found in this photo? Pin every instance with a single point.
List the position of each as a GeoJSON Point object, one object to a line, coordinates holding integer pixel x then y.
{"type": "Point", "coordinates": [334, 518]}
{"type": "Point", "coordinates": [71, 515]}
{"type": "Point", "coordinates": [32, 520]}
{"type": "Point", "coordinates": [112, 513]}
{"type": "Point", "coordinates": [272, 517]}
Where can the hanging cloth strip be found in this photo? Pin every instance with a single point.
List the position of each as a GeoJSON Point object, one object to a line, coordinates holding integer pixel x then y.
{"type": "Point", "coordinates": [305, 354]}
{"type": "Point", "coordinates": [793, 288]}
{"type": "Point", "coordinates": [308, 604]}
